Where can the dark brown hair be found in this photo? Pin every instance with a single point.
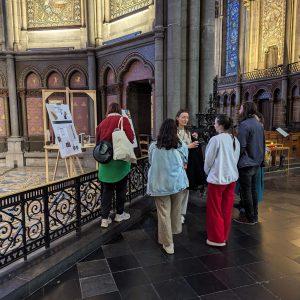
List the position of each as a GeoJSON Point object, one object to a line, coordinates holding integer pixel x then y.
{"type": "Point", "coordinates": [167, 137]}
{"type": "Point", "coordinates": [182, 110]}
{"type": "Point", "coordinates": [249, 110]}
{"type": "Point", "coordinates": [114, 108]}
{"type": "Point", "coordinates": [227, 124]}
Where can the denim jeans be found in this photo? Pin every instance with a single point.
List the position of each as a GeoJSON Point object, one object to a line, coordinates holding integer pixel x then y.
{"type": "Point", "coordinates": [108, 193]}
{"type": "Point", "coordinates": [247, 180]}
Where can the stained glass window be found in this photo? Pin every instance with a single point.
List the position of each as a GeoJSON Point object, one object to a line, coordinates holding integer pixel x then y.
{"type": "Point", "coordinates": [232, 30]}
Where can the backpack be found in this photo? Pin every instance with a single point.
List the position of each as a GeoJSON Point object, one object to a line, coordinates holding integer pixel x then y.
{"type": "Point", "coordinates": [103, 152]}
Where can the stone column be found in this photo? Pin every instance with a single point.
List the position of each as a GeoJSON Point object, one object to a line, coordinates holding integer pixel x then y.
{"type": "Point", "coordinates": [14, 156]}
{"type": "Point", "coordinates": [103, 101]}
{"type": "Point", "coordinates": [99, 21]}
{"type": "Point", "coordinates": [158, 103]}
{"type": "Point", "coordinates": [92, 85]}
{"type": "Point", "coordinates": [152, 83]}
{"type": "Point", "coordinates": [174, 16]}
{"type": "Point", "coordinates": [91, 23]}
{"type": "Point", "coordinates": [9, 31]}
{"type": "Point", "coordinates": [207, 71]}
{"type": "Point", "coordinates": [24, 119]}
{"type": "Point", "coordinates": [194, 60]}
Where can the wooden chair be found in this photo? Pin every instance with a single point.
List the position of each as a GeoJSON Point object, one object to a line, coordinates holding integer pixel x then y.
{"type": "Point", "coordinates": [144, 142]}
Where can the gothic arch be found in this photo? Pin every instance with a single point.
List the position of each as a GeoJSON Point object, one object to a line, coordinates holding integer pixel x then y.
{"type": "Point", "coordinates": [72, 69]}
{"type": "Point", "coordinates": [261, 90]}
{"type": "Point", "coordinates": [246, 96]}
{"type": "Point", "coordinates": [49, 71]}
{"type": "Point", "coordinates": [26, 72]}
{"type": "Point", "coordinates": [129, 60]}
{"type": "Point", "coordinates": [104, 70]}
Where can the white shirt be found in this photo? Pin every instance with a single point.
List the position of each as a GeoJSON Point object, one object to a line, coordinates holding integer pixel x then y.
{"type": "Point", "coordinates": [221, 159]}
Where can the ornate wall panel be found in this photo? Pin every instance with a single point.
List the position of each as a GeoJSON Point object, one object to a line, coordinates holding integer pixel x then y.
{"type": "Point", "coordinates": [53, 13]}
{"type": "Point", "coordinates": [273, 23]}
{"type": "Point", "coordinates": [34, 106]}
{"type": "Point", "coordinates": [119, 8]}
{"type": "Point", "coordinates": [232, 35]}
{"type": "Point", "coordinates": [2, 118]}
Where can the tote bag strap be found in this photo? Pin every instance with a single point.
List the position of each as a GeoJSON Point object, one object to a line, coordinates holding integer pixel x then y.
{"type": "Point", "coordinates": [120, 123]}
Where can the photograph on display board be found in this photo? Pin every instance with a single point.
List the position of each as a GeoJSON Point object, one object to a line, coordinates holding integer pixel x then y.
{"type": "Point", "coordinates": [64, 129]}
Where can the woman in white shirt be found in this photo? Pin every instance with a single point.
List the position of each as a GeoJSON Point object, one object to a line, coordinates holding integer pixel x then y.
{"type": "Point", "coordinates": [221, 158]}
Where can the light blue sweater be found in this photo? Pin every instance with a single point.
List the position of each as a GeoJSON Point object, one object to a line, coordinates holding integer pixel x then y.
{"type": "Point", "coordinates": [221, 159]}
{"type": "Point", "coordinates": [166, 174]}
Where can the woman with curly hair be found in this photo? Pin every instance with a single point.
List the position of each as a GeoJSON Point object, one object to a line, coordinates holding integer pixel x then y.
{"type": "Point", "coordinates": [167, 181]}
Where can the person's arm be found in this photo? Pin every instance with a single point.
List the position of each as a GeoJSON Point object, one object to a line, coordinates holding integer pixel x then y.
{"type": "Point", "coordinates": [98, 131]}
{"type": "Point", "coordinates": [210, 154]}
{"type": "Point", "coordinates": [150, 152]}
{"type": "Point", "coordinates": [184, 152]}
{"type": "Point", "coordinates": [242, 137]}
{"type": "Point", "coordinates": [128, 130]}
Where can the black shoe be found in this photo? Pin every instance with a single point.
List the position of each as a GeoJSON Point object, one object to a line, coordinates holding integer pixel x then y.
{"type": "Point", "coordinates": [237, 205]}
{"type": "Point", "coordinates": [244, 220]}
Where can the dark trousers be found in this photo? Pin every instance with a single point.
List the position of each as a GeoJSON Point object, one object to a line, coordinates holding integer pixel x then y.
{"type": "Point", "coordinates": [247, 180]}
{"type": "Point", "coordinates": [108, 193]}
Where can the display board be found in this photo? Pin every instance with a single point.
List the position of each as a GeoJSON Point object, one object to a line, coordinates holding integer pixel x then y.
{"type": "Point", "coordinates": [126, 113]}
{"type": "Point", "coordinates": [64, 129]}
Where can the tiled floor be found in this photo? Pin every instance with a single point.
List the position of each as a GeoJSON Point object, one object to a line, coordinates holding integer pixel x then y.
{"type": "Point", "coordinates": [14, 180]}
{"type": "Point", "coordinates": [260, 262]}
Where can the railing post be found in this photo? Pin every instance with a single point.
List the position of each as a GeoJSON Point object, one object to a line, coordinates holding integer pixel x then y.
{"type": "Point", "coordinates": [24, 227]}
{"type": "Point", "coordinates": [46, 216]}
{"type": "Point", "coordinates": [78, 206]}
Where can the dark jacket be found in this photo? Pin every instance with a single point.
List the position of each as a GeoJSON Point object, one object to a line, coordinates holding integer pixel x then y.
{"type": "Point", "coordinates": [252, 140]}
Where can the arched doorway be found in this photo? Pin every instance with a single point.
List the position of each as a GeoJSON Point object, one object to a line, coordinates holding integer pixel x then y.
{"type": "Point", "coordinates": [262, 99]}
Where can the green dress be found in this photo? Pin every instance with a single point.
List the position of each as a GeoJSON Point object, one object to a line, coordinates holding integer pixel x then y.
{"type": "Point", "coordinates": [114, 171]}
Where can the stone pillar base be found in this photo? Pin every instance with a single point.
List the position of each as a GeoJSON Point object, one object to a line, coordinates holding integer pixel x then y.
{"type": "Point", "coordinates": [14, 155]}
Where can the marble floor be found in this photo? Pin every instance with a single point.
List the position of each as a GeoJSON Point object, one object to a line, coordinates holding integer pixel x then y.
{"type": "Point", "coordinates": [260, 262]}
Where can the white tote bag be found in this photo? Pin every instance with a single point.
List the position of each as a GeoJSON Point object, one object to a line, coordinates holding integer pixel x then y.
{"type": "Point", "coordinates": [123, 149]}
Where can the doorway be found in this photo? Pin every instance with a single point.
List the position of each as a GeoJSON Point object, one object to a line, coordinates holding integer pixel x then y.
{"type": "Point", "coordinates": [139, 104]}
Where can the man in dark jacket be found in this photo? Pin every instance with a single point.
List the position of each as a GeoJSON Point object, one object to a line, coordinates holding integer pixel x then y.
{"type": "Point", "coordinates": [252, 141]}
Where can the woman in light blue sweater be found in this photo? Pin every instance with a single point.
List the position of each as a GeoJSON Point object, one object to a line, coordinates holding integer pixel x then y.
{"type": "Point", "coordinates": [221, 158]}
{"type": "Point", "coordinates": [167, 181]}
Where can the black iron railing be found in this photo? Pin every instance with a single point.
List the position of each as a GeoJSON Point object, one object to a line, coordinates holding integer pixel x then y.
{"type": "Point", "coordinates": [32, 219]}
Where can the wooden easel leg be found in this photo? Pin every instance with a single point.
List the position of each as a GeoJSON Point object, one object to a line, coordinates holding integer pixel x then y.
{"type": "Point", "coordinates": [67, 168]}
{"type": "Point", "coordinates": [79, 164]}
{"type": "Point", "coordinates": [47, 166]}
{"type": "Point", "coordinates": [56, 164]}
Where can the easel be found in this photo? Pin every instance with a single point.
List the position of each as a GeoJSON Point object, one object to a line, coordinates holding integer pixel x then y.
{"type": "Point", "coordinates": [70, 162]}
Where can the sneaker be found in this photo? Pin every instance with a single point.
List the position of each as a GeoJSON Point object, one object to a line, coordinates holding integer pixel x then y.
{"type": "Point", "coordinates": [210, 243]}
{"type": "Point", "coordinates": [243, 220]}
{"type": "Point", "coordinates": [182, 219]}
{"type": "Point", "coordinates": [105, 222]}
{"type": "Point", "coordinates": [122, 217]}
{"type": "Point", "coordinates": [169, 249]}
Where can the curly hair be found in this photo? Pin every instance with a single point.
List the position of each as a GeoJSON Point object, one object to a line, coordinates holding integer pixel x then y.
{"type": "Point", "coordinates": [167, 137]}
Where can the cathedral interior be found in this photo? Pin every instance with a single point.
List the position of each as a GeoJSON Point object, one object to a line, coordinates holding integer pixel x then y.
{"type": "Point", "coordinates": [153, 57]}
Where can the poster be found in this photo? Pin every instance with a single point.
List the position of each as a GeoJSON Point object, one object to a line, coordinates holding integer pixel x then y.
{"type": "Point", "coordinates": [126, 113]}
{"type": "Point", "coordinates": [64, 129]}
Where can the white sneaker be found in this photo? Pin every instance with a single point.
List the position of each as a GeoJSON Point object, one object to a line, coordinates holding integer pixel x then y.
{"type": "Point", "coordinates": [210, 243]}
{"type": "Point", "coordinates": [105, 222]}
{"type": "Point", "coordinates": [122, 217]}
{"type": "Point", "coordinates": [169, 249]}
{"type": "Point", "coordinates": [182, 219]}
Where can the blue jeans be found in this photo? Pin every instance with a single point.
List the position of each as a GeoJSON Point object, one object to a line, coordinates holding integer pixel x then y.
{"type": "Point", "coordinates": [247, 180]}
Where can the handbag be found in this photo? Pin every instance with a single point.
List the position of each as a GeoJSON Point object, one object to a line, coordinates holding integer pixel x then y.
{"type": "Point", "coordinates": [122, 148]}
{"type": "Point", "coordinates": [103, 152]}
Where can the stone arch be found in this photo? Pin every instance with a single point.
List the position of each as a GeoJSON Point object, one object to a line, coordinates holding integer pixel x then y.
{"type": "Point", "coordinates": [262, 92]}
{"type": "Point", "coordinates": [26, 72]}
{"type": "Point", "coordinates": [31, 84]}
{"type": "Point", "coordinates": [49, 71]}
{"type": "Point", "coordinates": [129, 60]}
{"type": "Point", "coordinates": [277, 95]}
{"type": "Point", "coordinates": [104, 71]}
{"type": "Point", "coordinates": [75, 68]}
{"type": "Point", "coordinates": [77, 80]}
{"type": "Point", "coordinates": [246, 97]}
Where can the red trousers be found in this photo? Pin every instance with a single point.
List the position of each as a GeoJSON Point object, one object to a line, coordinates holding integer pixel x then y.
{"type": "Point", "coordinates": [218, 211]}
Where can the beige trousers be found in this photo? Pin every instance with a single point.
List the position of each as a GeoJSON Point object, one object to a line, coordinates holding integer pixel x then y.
{"type": "Point", "coordinates": [185, 200]}
{"type": "Point", "coordinates": [169, 217]}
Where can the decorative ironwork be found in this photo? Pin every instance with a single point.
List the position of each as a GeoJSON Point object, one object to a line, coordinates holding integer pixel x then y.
{"type": "Point", "coordinates": [35, 218]}
{"type": "Point", "coordinates": [227, 80]}
{"type": "Point", "coordinates": [294, 67]}
{"type": "Point", "coordinates": [263, 74]}
{"type": "Point", "coordinates": [232, 35]}
{"type": "Point", "coordinates": [205, 121]}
